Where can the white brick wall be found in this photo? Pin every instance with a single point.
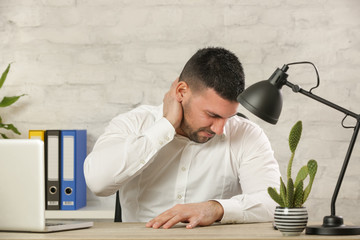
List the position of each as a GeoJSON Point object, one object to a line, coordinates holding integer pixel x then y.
{"type": "Point", "coordinates": [82, 62]}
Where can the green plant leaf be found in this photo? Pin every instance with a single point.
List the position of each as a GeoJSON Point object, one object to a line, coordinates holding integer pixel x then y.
{"type": "Point", "coordinates": [299, 194]}
{"type": "Point", "coordinates": [294, 136]}
{"type": "Point", "coordinates": [290, 193]}
{"type": "Point", "coordinates": [302, 174]}
{"type": "Point", "coordinates": [3, 136]}
{"type": "Point", "coordinates": [282, 190]}
{"type": "Point", "coordinates": [10, 127]}
{"type": "Point", "coordinates": [275, 196]}
{"type": "Point", "coordinates": [290, 165]}
{"type": "Point", "coordinates": [4, 75]}
{"type": "Point", "coordinates": [312, 168]}
{"type": "Point", "coordinates": [7, 101]}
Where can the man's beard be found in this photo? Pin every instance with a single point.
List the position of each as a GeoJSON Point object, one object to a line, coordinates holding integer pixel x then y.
{"type": "Point", "coordinates": [192, 134]}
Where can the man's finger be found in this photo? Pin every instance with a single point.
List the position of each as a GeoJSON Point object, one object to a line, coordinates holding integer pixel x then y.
{"type": "Point", "coordinates": [193, 223]}
{"type": "Point", "coordinates": [160, 220]}
{"type": "Point", "coordinates": [171, 222]}
{"type": "Point", "coordinates": [150, 223]}
{"type": "Point", "coordinates": [154, 224]}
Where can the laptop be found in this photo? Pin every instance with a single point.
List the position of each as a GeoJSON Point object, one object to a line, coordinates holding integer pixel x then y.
{"type": "Point", "coordinates": [22, 189]}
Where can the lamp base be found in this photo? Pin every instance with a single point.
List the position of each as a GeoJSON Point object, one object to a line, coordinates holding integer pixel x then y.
{"type": "Point", "coordinates": [333, 225]}
{"type": "Point", "coordinates": [342, 230]}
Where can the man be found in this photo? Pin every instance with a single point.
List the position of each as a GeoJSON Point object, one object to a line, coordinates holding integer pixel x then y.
{"type": "Point", "coordinates": [192, 159]}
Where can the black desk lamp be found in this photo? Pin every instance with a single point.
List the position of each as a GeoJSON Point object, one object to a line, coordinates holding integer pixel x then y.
{"type": "Point", "coordinates": [264, 99]}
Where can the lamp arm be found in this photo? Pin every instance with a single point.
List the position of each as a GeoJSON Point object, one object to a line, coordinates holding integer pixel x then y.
{"type": "Point", "coordinates": [343, 169]}
{"type": "Point", "coordinates": [296, 88]}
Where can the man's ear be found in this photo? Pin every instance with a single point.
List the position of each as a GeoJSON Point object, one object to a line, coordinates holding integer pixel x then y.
{"type": "Point", "coordinates": [182, 89]}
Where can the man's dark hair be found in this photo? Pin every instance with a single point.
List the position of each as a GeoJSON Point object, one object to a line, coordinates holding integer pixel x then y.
{"type": "Point", "coordinates": [215, 68]}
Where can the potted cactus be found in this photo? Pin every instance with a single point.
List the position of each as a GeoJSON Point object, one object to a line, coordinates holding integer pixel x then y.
{"type": "Point", "coordinates": [293, 195]}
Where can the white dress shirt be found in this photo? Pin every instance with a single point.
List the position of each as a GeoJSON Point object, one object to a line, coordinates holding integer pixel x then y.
{"type": "Point", "coordinates": [154, 168]}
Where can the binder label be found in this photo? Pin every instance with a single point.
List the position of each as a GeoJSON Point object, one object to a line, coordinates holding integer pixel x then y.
{"type": "Point", "coordinates": [53, 158]}
{"type": "Point", "coordinates": [68, 203]}
{"type": "Point", "coordinates": [53, 203]}
{"type": "Point", "coordinates": [69, 158]}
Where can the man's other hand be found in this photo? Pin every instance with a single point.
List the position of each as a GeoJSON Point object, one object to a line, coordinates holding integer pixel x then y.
{"type": "Point", "coordinates": [195, 214]}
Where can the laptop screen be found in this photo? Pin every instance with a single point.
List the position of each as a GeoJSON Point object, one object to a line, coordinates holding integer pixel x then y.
{"type": "Point", "coordinates": [22, 202]}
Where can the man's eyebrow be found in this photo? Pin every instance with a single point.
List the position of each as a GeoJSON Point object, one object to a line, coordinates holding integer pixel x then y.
{"type": "Point", "coordinates": [218, 116]}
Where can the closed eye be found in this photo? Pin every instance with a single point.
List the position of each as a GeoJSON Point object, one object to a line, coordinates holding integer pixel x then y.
{"type": "Point", "coordinates": [213, 115]}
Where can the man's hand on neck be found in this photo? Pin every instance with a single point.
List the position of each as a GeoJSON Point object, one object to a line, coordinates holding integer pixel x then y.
{"type": "Point", "coordinates": [172, 108]}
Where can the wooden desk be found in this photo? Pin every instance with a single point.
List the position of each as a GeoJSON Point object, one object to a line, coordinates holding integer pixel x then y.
{"type": "Point", "coordinates": [135, 231]}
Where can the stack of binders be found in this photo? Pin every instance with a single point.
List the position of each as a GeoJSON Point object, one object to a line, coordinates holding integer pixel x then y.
{"type": "Point", "coordinates": [65, 152]}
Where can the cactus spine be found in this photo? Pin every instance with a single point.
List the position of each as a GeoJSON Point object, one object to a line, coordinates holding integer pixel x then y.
{"type": "Point", "coordinates": [294, 194]}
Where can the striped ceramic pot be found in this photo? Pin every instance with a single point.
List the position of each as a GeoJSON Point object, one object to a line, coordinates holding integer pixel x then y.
{"type": "Point", "coordinates": [291, 221]}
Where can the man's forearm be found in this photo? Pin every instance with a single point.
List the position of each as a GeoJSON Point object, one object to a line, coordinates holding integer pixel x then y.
{"type": "Point", "coordinates": [122, 157]}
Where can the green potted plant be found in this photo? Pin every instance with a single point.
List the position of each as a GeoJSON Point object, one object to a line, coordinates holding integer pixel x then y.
{"type": "Point", "coordinates": [5, 102]}
{"type": "Point", "coordinates": [293, 195]}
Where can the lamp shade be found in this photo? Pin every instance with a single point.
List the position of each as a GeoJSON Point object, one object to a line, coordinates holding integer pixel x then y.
{"type": "Point", "coordinates": [263, 99]}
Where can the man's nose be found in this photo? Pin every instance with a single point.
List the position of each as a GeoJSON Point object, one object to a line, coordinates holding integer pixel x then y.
{"type": "Point", "coordinates": [218, 126]}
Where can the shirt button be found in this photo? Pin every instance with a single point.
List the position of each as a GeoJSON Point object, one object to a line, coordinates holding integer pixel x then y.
{"type": "Point", "coordinates": [167, 138]}
{"type": "Point", "coordinates": [142, 162]}
{"type": "Point", "coordinates": [179, 196]}
{"type": "Point", "coordinates": [161, 142]}
{"type": "Point", "coordinates": [183, 169]}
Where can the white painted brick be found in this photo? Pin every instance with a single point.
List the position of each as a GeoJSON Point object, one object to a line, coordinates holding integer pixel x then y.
{"type": "Point", "coordinates": [109, 35]}
{"type": "Point", "coordinates": [344, 15]}
{"type": "Point", "coordinates": [169, 54]}
{"type": "Point", "coordinates": [238, 15]}
{"type": "Point", "coordinates": [134, 54]}
{"type": "Point", "coordinates": [138, 17]}
{"type": "Point", "coordinates": [155, 96]}
{"type": "Point", "coordinates": [203, 16]}
{"type": "Point", "coordinates": [272, 3]}
{"type": "Point", "coordinates": [55, 35]}
{"type": "Point", "coordinates": [17, 3]}
{"type": "Point", "coordinates": [62, 3]}
{"type": "Point", "coordinates": [250, 55]}
{"type": "Point", "coordinates": [140, 76]}
{"type": "Point", "coordinates": [165, 16]}
{"type": "Point", "coordinates": [57, 17]}
{"type": "Point", "coordinates": [24, 16]}
{"type": "Point", "coordinates": [108, 17]}
{"type": "Point", "coordinates": [121, 93]}
{"type": "Point", "coordinates": [166, 77]}
{"type": "Point", "coordinates": [349, 56]}
{"type": "Point", "coordinates": [2, 27]}
{"type": "Point", "coordinates": [311, 18]}
{"type": "Point", "coordinates": [90, 74]}
{"type": "Point", "coordinates": [281, 18]}
{"type": "Point", "coordinates": [101, 3]}
{"type": "Point", "coordinates": [99, 55]}
{"type": "Point", "coordinates": [259, 35]}
{"type": "Point", "coordinates": [50, 58]}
